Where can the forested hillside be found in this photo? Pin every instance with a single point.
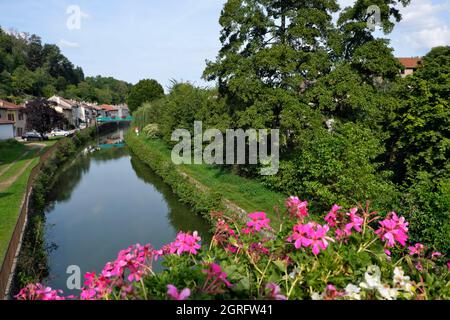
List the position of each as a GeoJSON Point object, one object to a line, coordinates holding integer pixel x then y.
{"type": "Point", "coordinates": [29, 68]}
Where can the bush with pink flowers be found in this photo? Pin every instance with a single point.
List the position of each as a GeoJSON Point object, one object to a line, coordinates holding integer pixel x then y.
{"type": "Point", "coordinates": [344, 254]}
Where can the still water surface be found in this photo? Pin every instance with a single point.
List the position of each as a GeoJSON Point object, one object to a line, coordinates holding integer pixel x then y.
{"type": "Point", "coordinates": [105, 201]}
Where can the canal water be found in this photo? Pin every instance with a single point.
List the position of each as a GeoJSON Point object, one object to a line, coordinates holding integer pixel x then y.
{"type": "Point", "coordinates": [105, 200]}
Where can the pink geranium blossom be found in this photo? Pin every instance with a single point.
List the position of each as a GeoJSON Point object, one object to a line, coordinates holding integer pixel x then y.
{"type": "Point", "coordinates": [215, 279]}
{"type": "Point", "coordinates": [355, 222]}
{"type": "Point", "coordinates": [172, 291]}
{"type": "Point", "coordinates": [184, 243]}
{"type": "Point", "coordinates": [392, 230]}
{"type": "Point", "coordinates": [311, 235]}
{"type": "Point", "coordinates": [39, 292]}
{"type": "Point", "coordinates": [296, 207]}
{"type": "Point", "coordinates": [274, 292]}
{"type": "Point", "coordinates": [258, 221]}
{"type": "Point", "coordinates": [331, 217]}
{"type": "Point", "coordinates": [417, 249]}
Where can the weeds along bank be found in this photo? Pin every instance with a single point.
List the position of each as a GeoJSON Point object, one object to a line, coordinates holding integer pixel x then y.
{"type": "Point", "coordinates": [32, 260]}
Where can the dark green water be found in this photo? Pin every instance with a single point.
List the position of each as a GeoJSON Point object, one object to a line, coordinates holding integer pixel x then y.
{"type": "Point", "coordinates": [103, 202]}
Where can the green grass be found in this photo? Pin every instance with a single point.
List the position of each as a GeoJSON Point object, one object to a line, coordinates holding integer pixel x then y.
{"type": "Point", "coordinates": [9, 151]}
{"type": "Point", "coordinates": [12, 197]}
{"type": "Point", "coordinates": [248, 194]}
{"type": "Point", "coordinates": [10, 201]}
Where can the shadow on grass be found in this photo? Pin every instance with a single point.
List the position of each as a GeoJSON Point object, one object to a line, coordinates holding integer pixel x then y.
{"type": "Point", "coordinates": [4, 194]}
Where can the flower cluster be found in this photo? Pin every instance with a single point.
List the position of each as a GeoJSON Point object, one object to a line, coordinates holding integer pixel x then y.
{"type": "Point", "coordinates": [258, 255]}
{"type": "Point", "coordinates": [311, 235]}
{"type": "Point", "coordinates": [39, 292]}
{"type": "Point", "coordinates": [184, 243]}
{"type": "Point", "coordinates": [393, 229]}
{"type": "Point", "coordinates": [130, 266]}
{"type": "Point", "coordinates": [258, 222]}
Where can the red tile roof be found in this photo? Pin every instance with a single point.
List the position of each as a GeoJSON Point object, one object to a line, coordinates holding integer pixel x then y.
{"type": "Point", "coordinates": [4, 121]}
{"type": "Point", "coordinates": [107, 107]}
{"type": "Point", "coordinates": [410, 63]}
{"type": "Point", "coordinates": [10, 106]}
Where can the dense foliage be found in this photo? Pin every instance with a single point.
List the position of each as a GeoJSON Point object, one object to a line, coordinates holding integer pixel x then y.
{"type": "Point", "coordinates": [144, 91]}
{"type": "Point", "coordinates": [42, 117]}
{"type": "Point", "coordinates": [29, 69]}
{"type": "Point", "coordinates": [345, 255]}
{"type": "Point", "coordinates": [351, 128]}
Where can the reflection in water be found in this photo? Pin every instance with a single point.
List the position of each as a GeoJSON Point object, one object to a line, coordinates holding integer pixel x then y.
{"type": "Point", "coordinates": [105, 201]}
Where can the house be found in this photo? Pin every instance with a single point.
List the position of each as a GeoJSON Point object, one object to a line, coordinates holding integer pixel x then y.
{"type": "Point", "coordinates": [109, 111]}
{"type": "Point", "coordinates": [123, 111]}
{"type": "Point", "coordinates": [410, 65]}
{"type": "Point", "coordinates": [6, 129]}
{"type": "Point", "coordinates": [15, 114]}
{"type": "Point", "coordinates": [67, 107]}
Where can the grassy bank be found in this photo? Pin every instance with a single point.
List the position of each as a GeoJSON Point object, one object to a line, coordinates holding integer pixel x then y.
{"type": "Point", "coordinates": [17, 160]}
{"type": "Point", "coordinates": [220, 184]}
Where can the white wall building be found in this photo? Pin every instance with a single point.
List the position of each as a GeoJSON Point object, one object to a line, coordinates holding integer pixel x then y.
{"type": "Point", "coordinates": [6, 129]}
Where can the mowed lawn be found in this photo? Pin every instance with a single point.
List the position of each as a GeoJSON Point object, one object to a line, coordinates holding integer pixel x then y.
{"type": "Point", "coordinates": [248, 194]}
{"type": "Point", "coordinates": [17, 160]}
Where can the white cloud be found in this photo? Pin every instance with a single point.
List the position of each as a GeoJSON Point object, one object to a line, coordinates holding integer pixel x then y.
{"type": "Point", "coordinates": [425, 25]}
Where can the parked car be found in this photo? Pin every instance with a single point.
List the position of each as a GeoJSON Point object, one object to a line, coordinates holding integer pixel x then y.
{"type": "Point", "coordinates": [59, 133]}
{"type": "Point", "coordinates": [34, 136]}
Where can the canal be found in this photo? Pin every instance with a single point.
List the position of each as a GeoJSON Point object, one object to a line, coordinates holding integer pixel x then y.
{"type": "Point", "coordinates": [105, 200]}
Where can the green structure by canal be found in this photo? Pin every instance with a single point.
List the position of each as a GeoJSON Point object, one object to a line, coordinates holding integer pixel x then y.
{"type": "Point", "coordinates": [104, 201]}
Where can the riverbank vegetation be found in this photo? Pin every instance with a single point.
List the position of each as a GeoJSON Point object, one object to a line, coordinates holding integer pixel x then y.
{"type": "Point", "coordinates": [205, 188]}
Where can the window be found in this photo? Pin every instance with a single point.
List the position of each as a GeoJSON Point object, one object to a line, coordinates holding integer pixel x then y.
{"type": "Point", "coordinates": [20, 116]}
{"type": "Point", "coordinates": [11, 117]}
{"type": "Point", "coordinates": [19, 132]}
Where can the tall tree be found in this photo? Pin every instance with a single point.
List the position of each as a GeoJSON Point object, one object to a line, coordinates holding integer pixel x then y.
{"type": "Point", "coordinates": [144, 91]}
{"type": "Point", "coordinates": [42, 117]}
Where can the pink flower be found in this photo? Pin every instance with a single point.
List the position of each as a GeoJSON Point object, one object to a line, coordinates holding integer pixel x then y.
{"type": "Point", "coordinates": [311, 235]}
{"type": "Point", "coordinates": [318, 239]}
{"type": "Point", "coordinates": [39, 292]}
{"type": "Point", "coordinates": [448, 265]}
{"type": "Point", "coordinates": [172, 291]}
{"type": "Point", "coordinates": [392, 230]}
{"type": "Point", "coordinates": [215, 279]}
{"type": "Point", "coordinates": [296, 207]}
{"type": "Point", "coordinates": [436, 255]}
{"type": "Point", "coordinates": [274, 292]}
{"type": "Point", "coordinates": [355, 222]}
{"type": "Point", "coordinates": [258, 221]}
{"type": "Point", "coordinates": [331, 217]}
{"type": "Point", "coordinates": [184, 243]}
{"type": "Point", "coordinates": [299, 236]}
{"type": "Point", "coordinates": [416, 250]}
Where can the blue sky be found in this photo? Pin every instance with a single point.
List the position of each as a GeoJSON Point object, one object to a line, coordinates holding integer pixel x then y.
{"type": "Point", "coordinates": [171, 39]}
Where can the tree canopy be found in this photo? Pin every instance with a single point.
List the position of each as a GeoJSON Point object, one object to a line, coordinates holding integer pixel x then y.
{"type": "Point", "coordinates": [144, 91]}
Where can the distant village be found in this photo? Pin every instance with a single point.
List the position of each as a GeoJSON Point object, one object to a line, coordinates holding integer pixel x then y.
{"type": "Point", "coordinates": [13, 121]}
